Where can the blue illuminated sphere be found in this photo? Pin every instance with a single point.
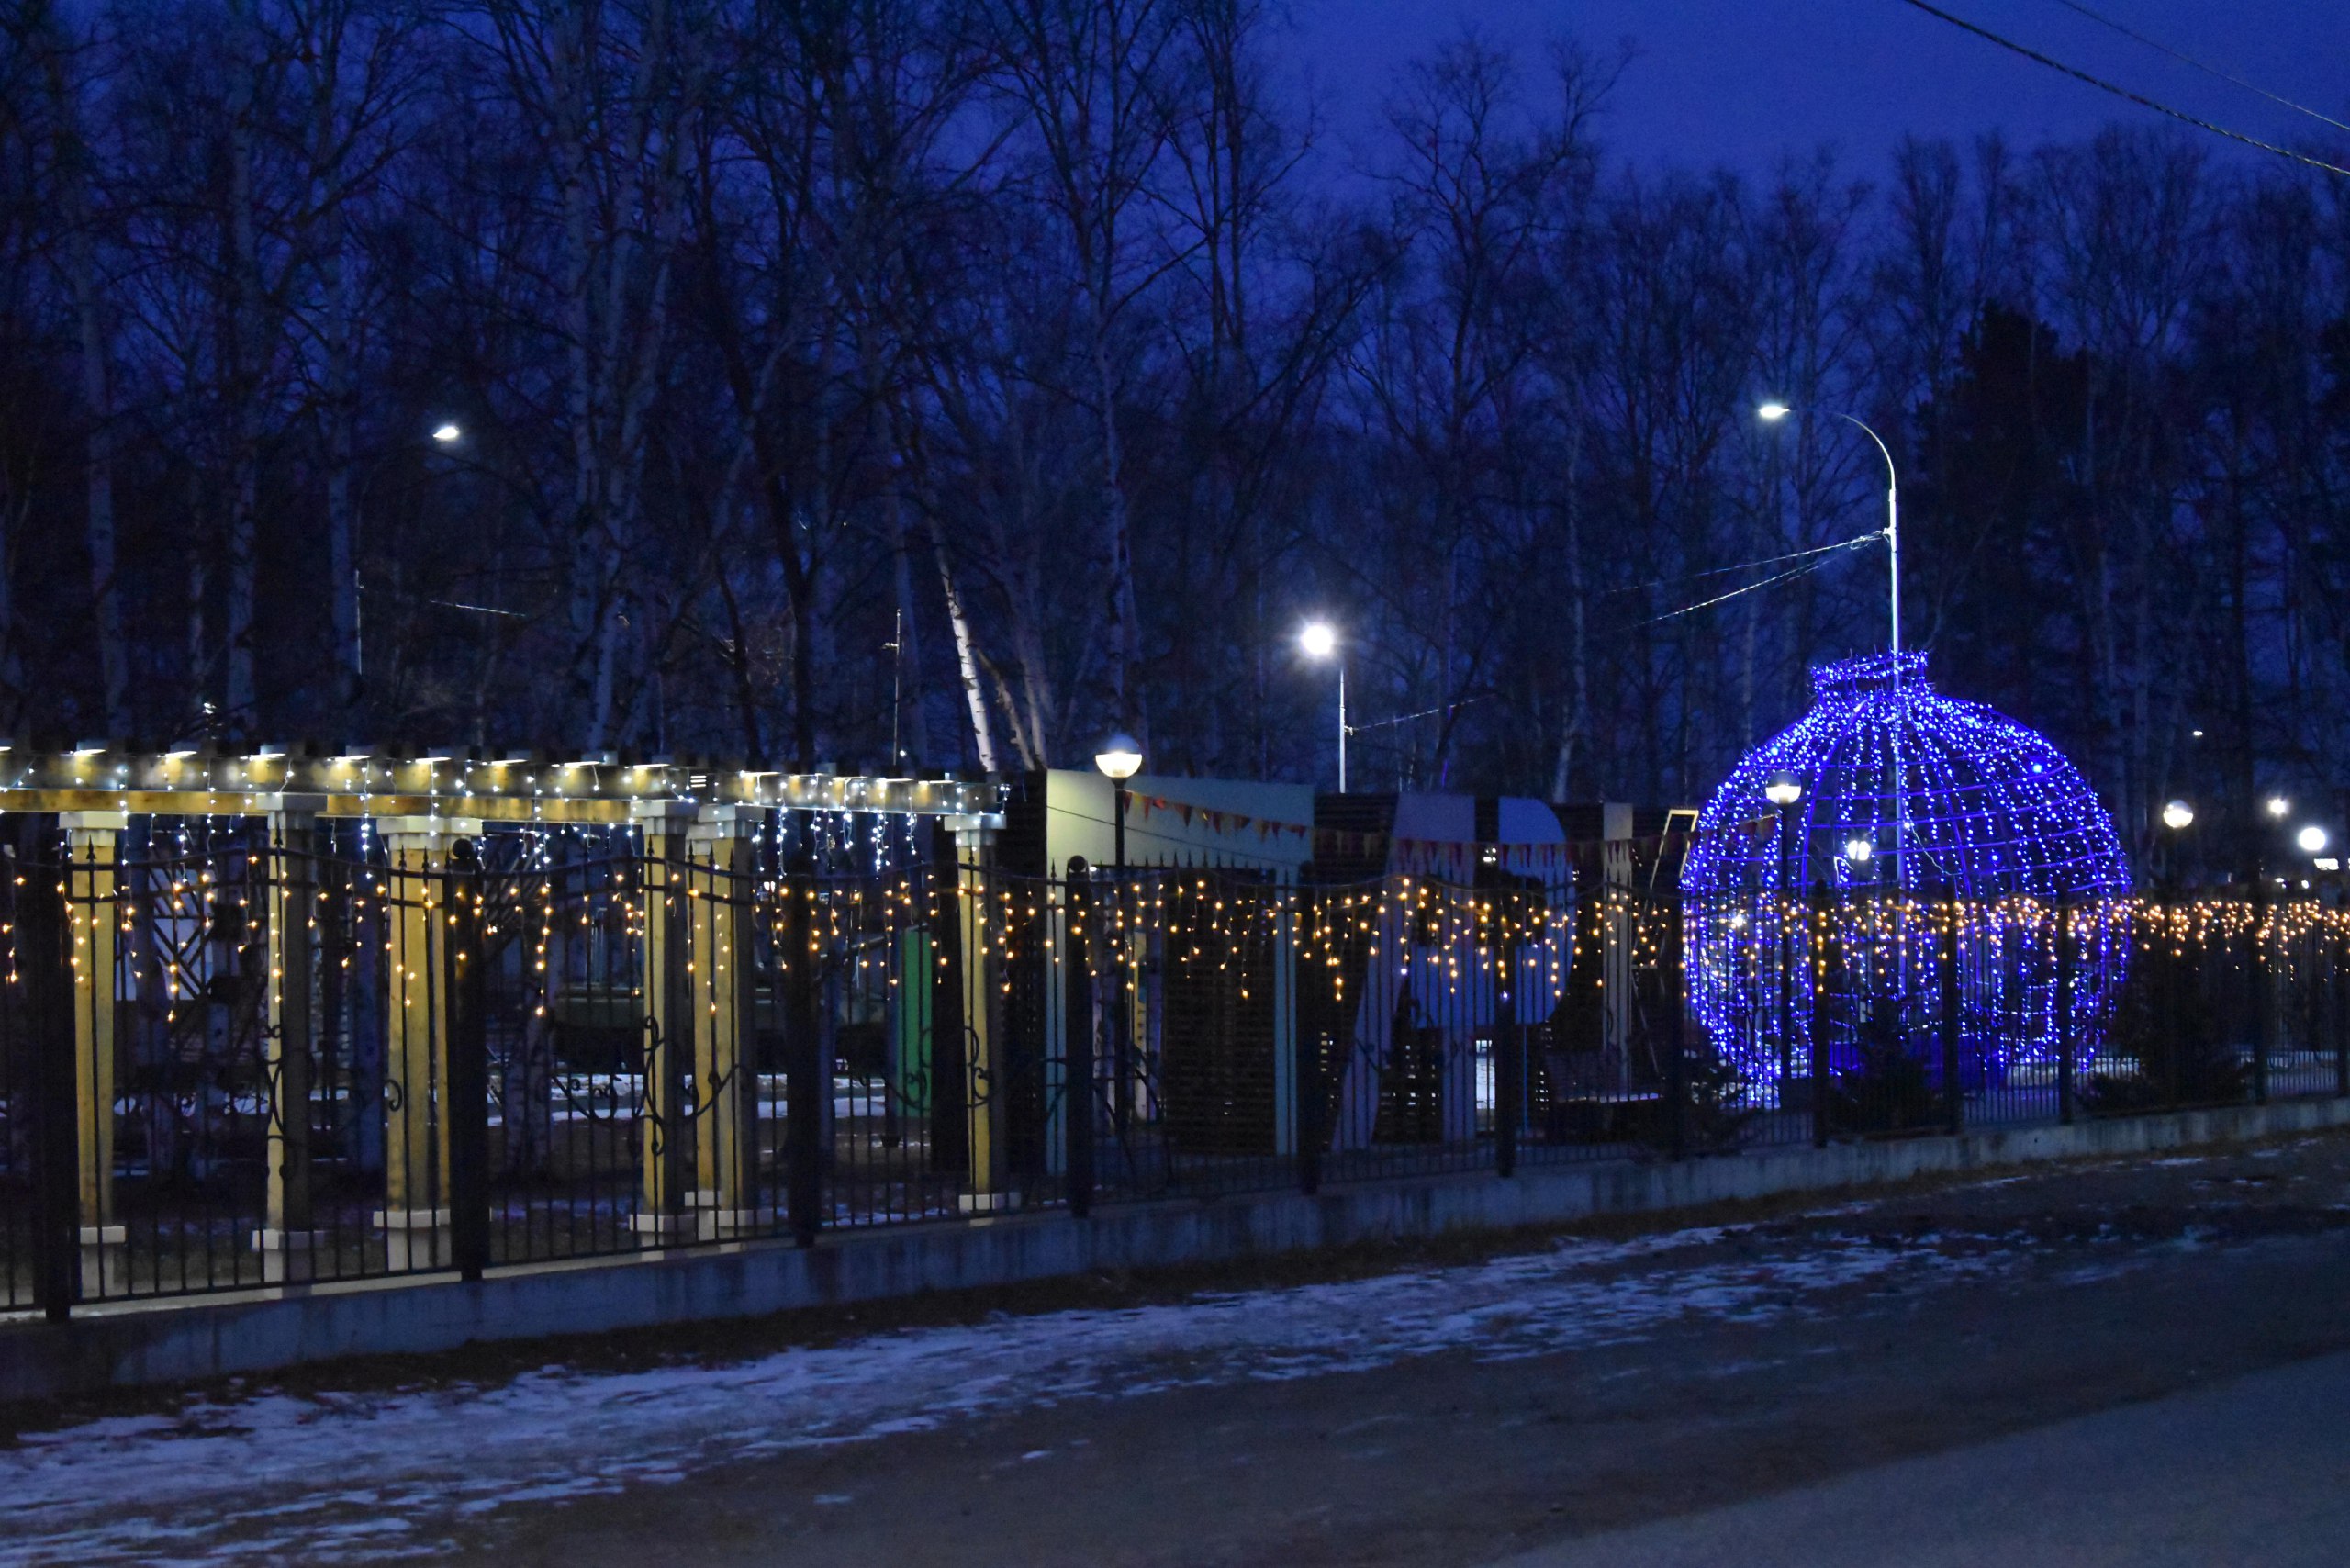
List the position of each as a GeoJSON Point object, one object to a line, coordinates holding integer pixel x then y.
{"type": "Point", "coordinates": [1910, 797]}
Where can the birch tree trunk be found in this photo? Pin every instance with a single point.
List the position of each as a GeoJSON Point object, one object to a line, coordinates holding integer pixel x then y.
{"type": "Point", "coordinates": [967, 654]}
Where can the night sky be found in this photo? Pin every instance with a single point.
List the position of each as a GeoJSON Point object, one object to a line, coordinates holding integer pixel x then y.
{"type": "Point", "coordinates": [1744, 82]}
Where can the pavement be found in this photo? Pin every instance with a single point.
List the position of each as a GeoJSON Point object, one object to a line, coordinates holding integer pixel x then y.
{"type": "Point", "coordinates": [2252, 1472]}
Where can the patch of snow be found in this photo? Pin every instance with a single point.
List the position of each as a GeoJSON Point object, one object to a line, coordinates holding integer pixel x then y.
{"type": "Point", "coordinates": [241, 1479]}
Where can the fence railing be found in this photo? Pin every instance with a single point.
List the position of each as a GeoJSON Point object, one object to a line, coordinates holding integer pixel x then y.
{"type": "Point", "coordinates": [242, 1056]}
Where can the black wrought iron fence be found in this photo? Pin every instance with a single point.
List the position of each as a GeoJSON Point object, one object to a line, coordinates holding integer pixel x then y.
{"type": "Point", "coordinates": [259, 1052]}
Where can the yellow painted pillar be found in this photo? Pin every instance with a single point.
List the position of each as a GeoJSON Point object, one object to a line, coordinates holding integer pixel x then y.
{"type": "Point", "coordinates": [664, 1134]}
{"type": "Point", "coordinates": [720, 897]}
{"type": "Point", "coordinates": [93, 891]}
{"type": "Point", "coordinates": [988, 1188]}
{"type": "Point", "coordinates": [287, 1240]}
{"type": "Point", "coordinates": [415, 1217]}
{"type": "Point", "coordinates": [1279, 903]}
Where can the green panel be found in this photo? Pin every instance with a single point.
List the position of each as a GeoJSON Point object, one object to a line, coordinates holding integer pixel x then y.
{"type": "Point", "coordinates": [914, 1020]}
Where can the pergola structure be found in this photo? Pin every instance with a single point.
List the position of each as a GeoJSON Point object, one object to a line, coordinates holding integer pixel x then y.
{"type": "Point", "coordinates": [699, 822]}
{"type": "Point", "coordinates": [514, 786]}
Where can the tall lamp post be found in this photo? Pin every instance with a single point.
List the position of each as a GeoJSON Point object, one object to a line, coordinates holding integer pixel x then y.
{"type": "Point", "coordinates": [1120, 759]}
{"type": "Point", "coordinates": [1319, 640]}
{"type": "Point", "coordinates": [1785, 790]}
{"type": "Point", "coordinates": [1772, 413]}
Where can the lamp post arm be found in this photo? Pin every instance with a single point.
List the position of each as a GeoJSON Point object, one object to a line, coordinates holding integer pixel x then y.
{"type": "Point", "coordinates": [1892, 523]}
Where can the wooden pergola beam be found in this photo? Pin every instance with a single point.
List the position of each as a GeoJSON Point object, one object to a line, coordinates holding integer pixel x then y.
{"type": "Point", "coordinates": [513, 788]}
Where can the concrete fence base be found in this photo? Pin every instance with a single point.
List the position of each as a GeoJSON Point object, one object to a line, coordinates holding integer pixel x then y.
{"type": "Point", "coordinates": [192, 1340]}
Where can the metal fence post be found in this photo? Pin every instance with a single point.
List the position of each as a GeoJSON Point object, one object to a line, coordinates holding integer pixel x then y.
{"type": "Point", "coordinates": [1821, 1016]}
{"type": "Point", "coordinates": [1076, 1035]}
{"type": "Point", "coordinates": [43, 958]}
{"type": "Point", "coordinates": [468, 1082]}
{"type": "Point", "coordinates": [1312, 1135]}
{"type": "Point", "coordinates": [1508, 1066]}
{"type": "Point", "coordinates": [2065, 1009]}
{"type": "Point", "coordinates": [1677, 1038]}
{"type": "Point", "coordinates": [1509, 1058]}
{"type": "Point", "coordinates": [949, 1078]}
{"type": "Point", "coordinates": [2263, 1004]}
{"type": "Point", "coordinates": [804, 1054]}
{"type": "Point", "coordinates": [2340, 1027]}
{"type": "Point", "coordinates": [1954, 1066]}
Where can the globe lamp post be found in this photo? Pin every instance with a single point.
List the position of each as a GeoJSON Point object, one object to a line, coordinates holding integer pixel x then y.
{"type": "Point", "coordinates": [2177, 816]}
{"type": "Point", "coordinates": [1319, 640]}
{"type": "Point", "coordinates": [1785, 790]}
{"type": "Point", "coordinates": [1120, 759]}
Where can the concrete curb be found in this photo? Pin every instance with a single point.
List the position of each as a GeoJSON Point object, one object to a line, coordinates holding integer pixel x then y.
{"type": "Point", "coordinates": [190, 1341]}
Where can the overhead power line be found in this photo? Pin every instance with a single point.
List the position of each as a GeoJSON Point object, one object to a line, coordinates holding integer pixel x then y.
{"type": "Point", "coordinates": [1749, 566]}
{"type": "Point", "coordinates": [1789, 574]}
{"type": "Point", "coordinates": [2120, 92]}
{"type": "Point", "coordinates": [2105, 21]}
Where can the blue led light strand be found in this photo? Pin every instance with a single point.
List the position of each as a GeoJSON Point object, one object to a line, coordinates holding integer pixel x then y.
{"type": "Point", "coordinates": [1995, 828]}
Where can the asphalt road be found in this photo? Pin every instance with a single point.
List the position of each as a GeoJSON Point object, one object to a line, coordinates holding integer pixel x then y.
{"type": "Point", "coordinates": [2131, 1359]}
{"type": "Point", "coordinates": [2255, 1471]}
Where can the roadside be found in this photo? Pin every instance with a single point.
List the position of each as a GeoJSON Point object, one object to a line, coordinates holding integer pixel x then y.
{"type": "Point", "coordinates": [2254, 1470]}
{"type": "Point", "coordinates": [1446, 1405]}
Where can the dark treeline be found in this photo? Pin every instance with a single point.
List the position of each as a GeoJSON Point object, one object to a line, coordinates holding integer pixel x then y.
{"type": "Point", "coordinates": [965, 377]}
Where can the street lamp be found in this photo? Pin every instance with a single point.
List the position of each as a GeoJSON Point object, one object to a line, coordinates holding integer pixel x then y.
{"type": "Point", "coordinates": [2178, 816]}
{"type": "Point", "coordinates": [1319, 640]}
{"type": "Point", "coordinates": [447, 432]}
{"type": "Point", "coordinates": [2311, 839]}
{"type": "Point", "coordinates": [1119, 759]}
{"type": "Point", "coordinates": [2279, 807]}
{"type": "Point", "coordinates": [1859, 850]}
{"type": "Point", "coordinates": [1785, 790]}
{"type": "Point", "coordinates": [1772, 413]}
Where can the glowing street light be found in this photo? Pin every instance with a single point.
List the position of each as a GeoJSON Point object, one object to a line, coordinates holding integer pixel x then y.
{"type": "Point", "coordinates": [2311, 839]}
{"type": "Point", "coordinates": [2279, 807]}
{"type": "Point", "coordinates": [445, 433]}
{"type": "Point", "coordinates": [1783, 789]}
{"type": "Point", "coordinates": [2178, 816]}
{"type": "Point", "coordinates": [1119, 759]}
{"type": "Point", "coordinates": [1773, 413]}
{"type": "Point", "coordinates": [1319, 640]}
{"type": "Point", "coordinates": [1120, 756]}
{"type": "Point", "coordinates": [1858, 850]}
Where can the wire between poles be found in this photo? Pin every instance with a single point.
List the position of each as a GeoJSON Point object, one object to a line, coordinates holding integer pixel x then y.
{"type": "Point", "coordinates": [2120, 92]}
{"type": "Point", "coordinates": [1749, 566]}
{"type": "Point", "coordinates": [1792, 572]}
{"type": "Point", "coordinates": [2105, 21]}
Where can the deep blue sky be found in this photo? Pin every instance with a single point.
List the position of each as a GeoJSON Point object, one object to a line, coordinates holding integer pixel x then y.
{"type": "Point", "coordinates": [1742, 81]}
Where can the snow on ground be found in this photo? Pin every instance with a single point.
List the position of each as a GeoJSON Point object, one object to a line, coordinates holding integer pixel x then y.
{"type": "Point", "coordinates": [344, 1477]}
